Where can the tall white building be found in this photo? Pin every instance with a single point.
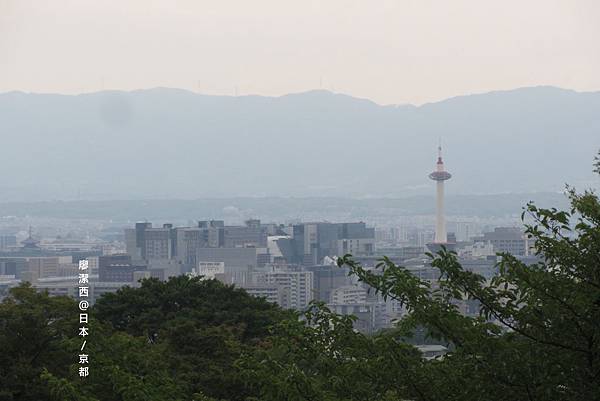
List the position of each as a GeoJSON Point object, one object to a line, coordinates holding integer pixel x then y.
{"type": "Point", "coordinates": [440, 175]}
{"type": "Point", "coordinates": [297, 286]}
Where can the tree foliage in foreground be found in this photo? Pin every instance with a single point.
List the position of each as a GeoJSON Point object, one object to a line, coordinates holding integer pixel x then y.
{"type": "Point", "coordinates": [324, 358]}
{"type": "Point", "coordinates": [203, 325]}
{"type": "Point", "coordinates": [537, 336]}
{"type": "Point", "coordinates": [174, 340]}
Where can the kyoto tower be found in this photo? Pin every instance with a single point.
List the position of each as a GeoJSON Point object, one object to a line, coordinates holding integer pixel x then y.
{"type": "Point", "coordinates": [440, 175]}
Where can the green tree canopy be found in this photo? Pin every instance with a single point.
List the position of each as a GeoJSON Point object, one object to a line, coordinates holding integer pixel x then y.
{"type": "Point", "coordinates": [33, 327]}
{"type": "Point", "coordinates": [208, 303]}
{"type": "Point", "coordinates": [203, 325]}
{"type": "Point", "coordinates": [537, 336]}
{"type": "Point", "coordinates": [174, 340]}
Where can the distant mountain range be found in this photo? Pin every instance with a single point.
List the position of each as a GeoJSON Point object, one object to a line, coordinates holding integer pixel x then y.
{"type": "Point", "coordinates": [167, 143]}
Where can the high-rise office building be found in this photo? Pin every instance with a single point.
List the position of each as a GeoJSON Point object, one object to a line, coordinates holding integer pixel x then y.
{"type": "Point", "coordinates": [508, 239]}
{"type": "Point", "coordinates": [297, 286]}
{"type": "Point", "coordinates": [310, 243]}
{"type": "Point", "coordinates": [118, 268]}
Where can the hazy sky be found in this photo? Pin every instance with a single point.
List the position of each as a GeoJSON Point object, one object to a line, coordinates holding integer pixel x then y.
{"type": "Point", "coordinates": [389, 51]}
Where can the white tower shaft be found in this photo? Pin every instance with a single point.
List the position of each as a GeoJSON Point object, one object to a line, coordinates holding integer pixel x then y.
{"type": "Point", "coordinates": [440, 221]}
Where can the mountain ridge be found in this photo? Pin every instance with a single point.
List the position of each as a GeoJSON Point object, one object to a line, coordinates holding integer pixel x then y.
{"type": "Point", "coordinates": [176, 143]}
{"type": "Point", "coordinates": [305, 92]}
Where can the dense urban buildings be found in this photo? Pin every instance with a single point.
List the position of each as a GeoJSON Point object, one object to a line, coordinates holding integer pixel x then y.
{"type": "Point", "coordinates": [290, 264]}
